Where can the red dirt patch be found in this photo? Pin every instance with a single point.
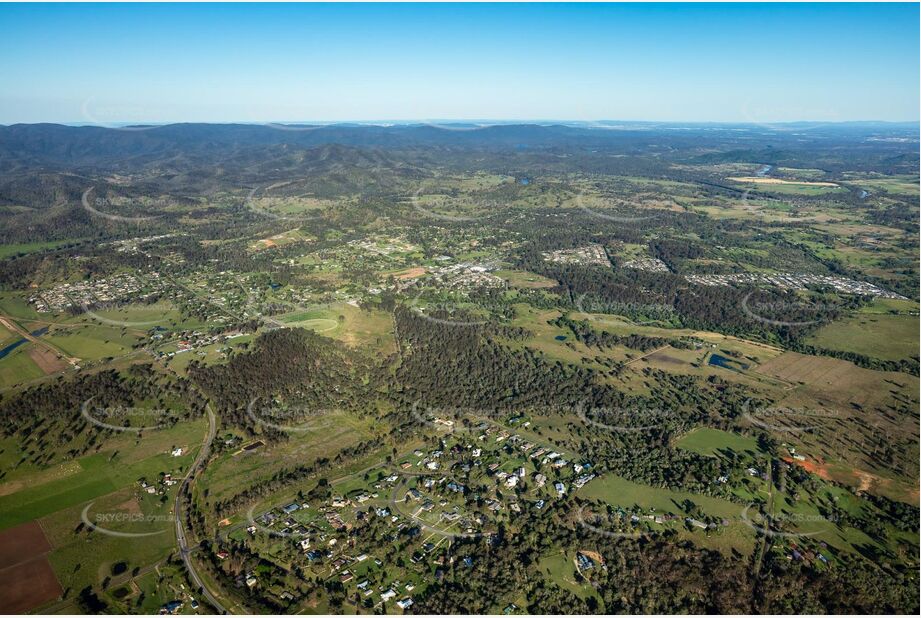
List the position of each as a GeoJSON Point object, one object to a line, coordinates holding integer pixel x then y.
{"type": "Point", "coordinates": [412, 273]}
{"type": "Point", "coordinates": [28, 585]}
{"type": "Point", "coordinates": [46, 360]}
{"type": "Point", "coordinates": [26, 577]}
{"type": "Point", "coordinates": [131, 505]}
{"type": "Point", "coordinates": [862, 480]}
{"type": "Point", "coordinates": [810, 466]}
{"type": "Point", "coordinates": [22, 543]}
{"type": "Point", "coordinates": [593, 555]}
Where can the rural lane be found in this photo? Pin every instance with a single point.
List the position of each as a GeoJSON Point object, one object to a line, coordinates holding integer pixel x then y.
{"type": "Point", "coordinates": [184, 549]}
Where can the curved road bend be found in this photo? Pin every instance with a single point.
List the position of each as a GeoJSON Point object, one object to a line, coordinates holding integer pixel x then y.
{"type": "Point", "coordinates": [184, 549]}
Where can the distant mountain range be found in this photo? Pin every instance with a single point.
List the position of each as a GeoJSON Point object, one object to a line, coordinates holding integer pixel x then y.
{"type": "Point", "coordinates": [62, 145]}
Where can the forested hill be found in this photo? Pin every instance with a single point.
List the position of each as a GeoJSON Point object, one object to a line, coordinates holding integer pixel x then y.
{"type": "Point", "coordinates": [54, 144]}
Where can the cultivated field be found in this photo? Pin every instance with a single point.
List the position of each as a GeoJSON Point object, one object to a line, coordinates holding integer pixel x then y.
{"type": "Point", "coordinates": [26, 578]}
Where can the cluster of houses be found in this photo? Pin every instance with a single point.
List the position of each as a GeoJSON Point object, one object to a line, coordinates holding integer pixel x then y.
{"type": "Point", "coordinates": [664, 518]}
{"type": "Point", "coordinates": [133, 245]}
{"type": "Point", "coordinates": [159, 488]}
{"type": "Point", "coordinates": [194, 341]}
{"type": "Point", "coordinates": [384, 246]}
{"type": "Point", "coordinates": [388, 592]}
{"type": "Point", "coordinates": [467, 457]}
{"type": "Point", "coordinates": [323, 536]}
{"type": "Point", "coordinates": [795, 281]}
{"type": "Point", "coordinates": [116, 289]}
{"type": "Point", "coordinates": [799, 552]}
{"type": "Point", "coordinates": [591, 254]}
{"type": "Point", "coordinates": [653, 265]}
{"type": "Point", "coordinates": [466, 276]}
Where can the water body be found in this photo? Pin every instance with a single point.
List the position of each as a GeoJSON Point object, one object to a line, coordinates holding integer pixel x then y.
{"type": "Point", "coordinates": [560, 337]}
{"type": "Point", "coordinates": [6, 351]}
{"type": "Point", "coordinates": [764, 171]}
{"type": "Point", "coordinates": [864, 194]}
{"type": "Point", "coordinates": [525, 181]}
{"type": "Point", "coordinates": [726, 363]}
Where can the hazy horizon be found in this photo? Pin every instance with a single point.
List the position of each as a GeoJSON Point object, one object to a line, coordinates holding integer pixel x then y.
{"type": "Point", "coordinates": [483, 122]}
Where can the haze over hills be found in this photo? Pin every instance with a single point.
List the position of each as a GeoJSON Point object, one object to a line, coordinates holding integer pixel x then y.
{"type": "Point", "coordinates": [50, 144]}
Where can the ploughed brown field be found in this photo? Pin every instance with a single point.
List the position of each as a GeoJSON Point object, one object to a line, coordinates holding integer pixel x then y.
{"type": "Point", "coordinates": [26, 577]}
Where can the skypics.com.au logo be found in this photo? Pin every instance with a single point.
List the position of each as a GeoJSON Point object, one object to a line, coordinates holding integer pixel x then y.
{"type": "Point", "coordinates": [93, 207]}
{"type": "Point", "coordinates": [124, 418]}
{"type": "Point", "coordinates": [289, 419]}
{"type": "Point", "coordinates": [787, 419]}
{"type": "Point", "coordinates": [774, 312]}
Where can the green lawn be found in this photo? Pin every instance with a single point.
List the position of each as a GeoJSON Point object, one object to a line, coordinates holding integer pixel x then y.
{"type": "Point", "coordinates": [618, 491]}
{"type": "Point", "coordinates": [560, 568]}
{"type": "Point", "coordinates": [903, 185]}
{"type": "Point", "coordinates": [232, 472]}
{"type": "Point", "coordinates": [142, 317]}
{"type": "Point", "coordinates": [15, 305]}
{"type": "Point", "coordinates": [885, 305]}
{"type": "Point", "coordinates": [302, 316]}
{"type": "Point", "coordinates": [525, 279]}
{"type": "Point", "coordinates": [797, 189]}
{"type": "Point", "coordinates": [713, 442]}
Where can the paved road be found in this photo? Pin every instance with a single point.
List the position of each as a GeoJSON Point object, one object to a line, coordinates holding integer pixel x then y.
{"type": "Point", "coordinates": [184, 549]}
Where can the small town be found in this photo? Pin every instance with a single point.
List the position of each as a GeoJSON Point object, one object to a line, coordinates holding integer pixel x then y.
{"type": "Point", "coordinates": [795, 281]}
{"type": "Point", "coordinates": [592, 254]}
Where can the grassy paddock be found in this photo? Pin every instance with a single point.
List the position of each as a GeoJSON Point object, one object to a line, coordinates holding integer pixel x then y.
{"type": "Point", "coordinates": [714, 442]}
{"type": "Point", "coordinates": [889, 337]}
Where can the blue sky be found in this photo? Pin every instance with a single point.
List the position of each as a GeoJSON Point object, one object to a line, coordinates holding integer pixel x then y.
{"type": "Point", "coordinates": [236, 62]}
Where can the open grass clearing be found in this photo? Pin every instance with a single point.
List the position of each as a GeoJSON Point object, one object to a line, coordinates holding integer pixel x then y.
{"type": "Point", "coordinates": [17, 367]}
{"type": "Point", "coordinates": [889, 337]}
{"type": "Point", "coordinates": [715, 442]}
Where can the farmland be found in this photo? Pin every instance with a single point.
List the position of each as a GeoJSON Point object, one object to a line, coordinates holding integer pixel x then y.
{"type": "Point", "coordinates": [494, 370]}
{"type": "Point", "coordinates": [891, 337]}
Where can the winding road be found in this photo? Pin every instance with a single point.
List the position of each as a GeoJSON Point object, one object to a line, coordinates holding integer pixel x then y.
{"type": "Point", "coordinates": [184, 549]}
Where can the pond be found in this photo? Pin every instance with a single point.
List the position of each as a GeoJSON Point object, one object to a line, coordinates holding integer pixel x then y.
{"type": "Point", "coordinates": [726, 363]}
